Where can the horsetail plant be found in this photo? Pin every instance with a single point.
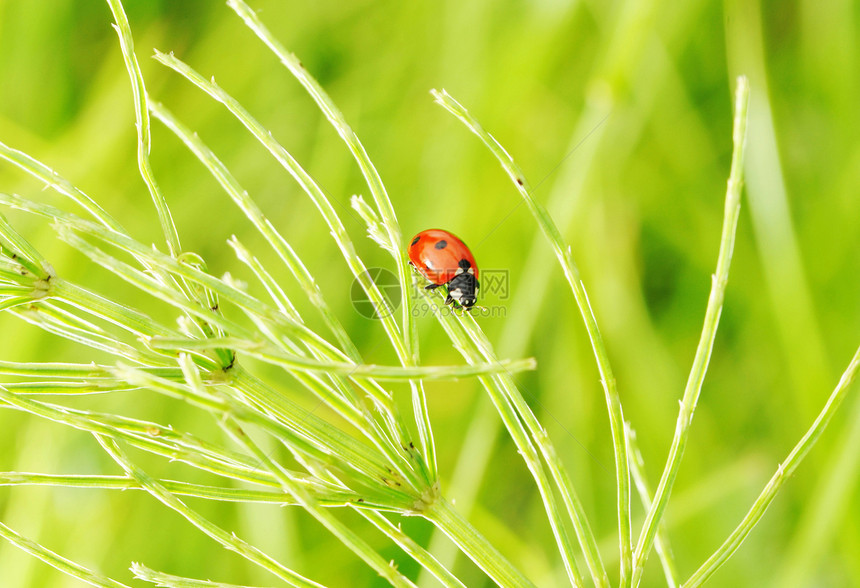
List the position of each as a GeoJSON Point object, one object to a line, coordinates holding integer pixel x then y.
{"type": "Point", "coordinates": [225, 340]}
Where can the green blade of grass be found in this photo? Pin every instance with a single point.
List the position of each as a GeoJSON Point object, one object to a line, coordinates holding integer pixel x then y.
{"type": "Point", "coordinates": [343, 533]}
{"type": "Point", "coordinates": [207, 492]}
{"type": "Point", "coordinates": [259, 350]}
{"type": "Point", "coordinates": [783, 473]}
{"type": "Point", "coordinates": [664, 549]}
{"type": "Point", "coordinates": [442, 514]}
{"type": "Point", "coordinates": [141, 115]}
{"type": "Point", "coordinates": [498, 389]}
{"type": "Point", "coordinates": [161, 579]}
{"type": "Point", "coordinates": [613, 401]}
{"type": "Point", "coordinates": [706, 340]}
{"type": "Point", "coordinates": [393, 237]}
{"type": "Point", "coordinates": [276, 241]}
{"type": "Point", "coordinates": [423, 557]}
{"type": "Point", "coordinates": [228, 540]}
{"type": "Point", "coordinates": [57, 561]}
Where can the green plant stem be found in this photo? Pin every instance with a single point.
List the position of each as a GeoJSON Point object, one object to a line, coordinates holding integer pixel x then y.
{"type": "Point", "coordinates": [342, 532]}
{"type": "Point", "coordinates": [27, 257]}
{"type": "Point", "coordinates": [246, 204]}
{"type": "Point", "coordinates": [148, 436]}
{"type": "Point", "coordinates": [783, 472]}
{"type": "Point", "coordinates": [228, 540]}
{"type": "Point", "coordinates": [57, 561]}
{"type": "Point", "coordinates": [424, 558]}
{"type": "Point", "coordinates": [42, 172]}
{"type": "Point", "coordinates": [442, 514]}
{"type": "Point", "coordinates": [161, 579]}
{"type": "Point", "coordinates": [173, 486]}
{"type": "Point", "coordinates": [305, 181]}
{"type": "Point", "coordinates": [383, 204]}
{"type": "Point", "coordinates": [547, 450]}
{"type": "Point", "coordinates": [664, 549]}
{"type": "Point", "coordinates": [141, 115]}
{"type": "Point", "coordinates": [706, 341]}
{"type": "Point", "coordinates": [338, 232]}
{"type": "Point", "coordinates": [613, 401]}
{"type": "Point", "coordinates": [503, 395]}
{"type": "Point", "coordinates": [258, 350]}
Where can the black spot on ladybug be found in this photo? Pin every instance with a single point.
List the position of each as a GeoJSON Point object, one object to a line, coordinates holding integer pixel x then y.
{"type": "Point", "coordinates": [416, 239]}
{"type": "Point", "coordinates": [441, 244]}
{"type": "Point", "coordinates": [464, 264]}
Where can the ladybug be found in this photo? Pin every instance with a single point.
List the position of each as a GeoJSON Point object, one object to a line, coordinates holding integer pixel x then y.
{"type": "Point", "coordinates": [444, 260]}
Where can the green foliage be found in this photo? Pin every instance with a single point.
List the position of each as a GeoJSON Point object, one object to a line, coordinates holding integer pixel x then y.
{"type": "Point", "coordinates": [224, 373]}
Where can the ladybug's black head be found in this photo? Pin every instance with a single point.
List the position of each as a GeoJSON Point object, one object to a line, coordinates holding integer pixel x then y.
{"type": "Point", "coordinates": [463, 289]}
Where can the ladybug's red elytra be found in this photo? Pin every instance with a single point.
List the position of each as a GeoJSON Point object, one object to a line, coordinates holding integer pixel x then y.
{"type": "Point", "coordinates": [444, 260]}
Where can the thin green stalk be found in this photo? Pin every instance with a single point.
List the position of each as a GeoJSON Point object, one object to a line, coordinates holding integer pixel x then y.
{"type": "Point", "coordinates": [383, 204]}
{"type": "Point", "coordinates": [14, 302]}
{"type": "Point", "coordinates": [301, 431]}
{"type": "Point", "coordinates": [574, 507]}
{"type": "Point", "coordinates": [276, 241]}
{"type": "Point", "coordinates": [161, 579]}
{"type": "Point", "coordinates": [706, 341]}
{"type": "Point", "coordinates": [343, 533]}
{"type": "Point", "coordinates": [613, 401]}
{"type": "Point", "coordinates": [74, 370]}
{"type": "Point", "coordinates": [259, 350]}
{"type": "Point", "coordinates": [664, 549]}
{"type": "Point", "coordinates": [53, 319]}
{"type": "Point", "coordinates": [71, 388]}
{"type": "Point", "coordinates": [442, 514]}
{"type": "Point", "coordinates": [273, 288]}
{"type": "Point", "coordinates": [317, 438]}
{"type": "Point", "coordinates": [305, 181]}
{"type": "Point", "coordinates": [147, 436]}
{"type": "Point", "coordinates": [783, 472]}
{"type": "Point", "coordinates": [300, 442]}
{"type": "Point", "coordinates": [423, 557]}
{"type": "Point", "coordinates": [228, 540]}
{"type": "Point", "coordinates": [119, 315]}
{"type": "Point", "coordinates": [496, 388]}
{"type": "Point", "coordinates": [57, 561]}
{"type": "Point", "coordinates": [52, 179]}
{"type": "Point", "coordinates": [338, 232]}
{"type": "Point", "coordinates": [141, 115]}
{"type": "Point", "coordinates": [25, 254]}
{"type": "Point", "coordinates": [325, 497]}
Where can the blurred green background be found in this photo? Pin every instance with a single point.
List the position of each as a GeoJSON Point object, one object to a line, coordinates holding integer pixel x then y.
{"type": "Point", "coordinates": [620, 114]}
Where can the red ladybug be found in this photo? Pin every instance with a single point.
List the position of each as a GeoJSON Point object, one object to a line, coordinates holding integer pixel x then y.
{"type": "Point", "coordinates": [444, 259]}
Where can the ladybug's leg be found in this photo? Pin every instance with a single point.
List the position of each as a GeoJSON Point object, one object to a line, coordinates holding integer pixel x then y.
{"type": "Point", "coordinates": [449, 300]}
{"type": "Point", "coordinates": [432, 286]}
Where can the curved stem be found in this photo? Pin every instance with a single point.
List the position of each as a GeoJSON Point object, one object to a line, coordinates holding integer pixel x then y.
{"type": "Point", "coordinates": [783, 472]}
{"type": "Point", "coordinates": [706, 341]}
{"type": "Point", "coordinates": [442, 514]}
